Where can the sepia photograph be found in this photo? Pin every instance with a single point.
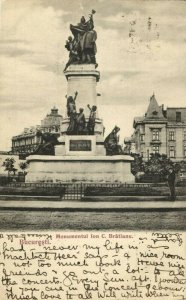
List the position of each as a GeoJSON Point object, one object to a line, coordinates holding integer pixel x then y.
{"type": "Point", "coordinates": [93, 115]}
{"type": "Point", "coordinates": [92, 149]}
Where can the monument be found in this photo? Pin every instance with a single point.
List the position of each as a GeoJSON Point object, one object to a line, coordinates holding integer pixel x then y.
{"type": "Point", "coordinates": [81, 154]}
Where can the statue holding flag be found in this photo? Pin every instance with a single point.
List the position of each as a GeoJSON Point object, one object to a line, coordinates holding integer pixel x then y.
{"type": "Point", "coordinates": [82, 46]}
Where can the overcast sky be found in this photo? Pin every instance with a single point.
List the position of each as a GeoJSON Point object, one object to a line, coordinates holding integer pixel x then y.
{"type": "Point", "coordinates": [141, 50]}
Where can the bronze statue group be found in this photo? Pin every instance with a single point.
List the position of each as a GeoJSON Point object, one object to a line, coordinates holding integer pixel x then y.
{"type": "Point", "coordinates": [78, 125]}
{"type": "Point", "coordinates": [82, 46]}
{"type": "Point", "coordinates": [77, 120]}
{"type": "Point", "coordinates": [82, 50]}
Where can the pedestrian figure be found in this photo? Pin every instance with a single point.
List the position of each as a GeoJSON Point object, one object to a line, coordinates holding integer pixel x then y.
{"type": "Point", "coordinates": [171, 182]}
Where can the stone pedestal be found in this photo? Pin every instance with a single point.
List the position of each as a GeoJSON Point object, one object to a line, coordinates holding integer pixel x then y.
{"type": "Point", "coordinates": [81, 145]}
{"type": "Point", "coordinates": [81, 158]}
{"type": "Point", "coordinates": [83, 79]}
{"type": "Point", "coordinates": [43, 168]}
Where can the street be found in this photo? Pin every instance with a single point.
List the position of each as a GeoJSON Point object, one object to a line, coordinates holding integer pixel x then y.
{"type": "Point", "coordinates": [106, 220]}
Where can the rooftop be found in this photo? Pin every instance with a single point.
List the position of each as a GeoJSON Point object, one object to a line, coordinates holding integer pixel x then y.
{"type": "Point", "coordinates": [154, 111]}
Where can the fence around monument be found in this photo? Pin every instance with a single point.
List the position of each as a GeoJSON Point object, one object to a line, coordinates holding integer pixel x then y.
{"type": "Point", "coordinates": [83, 191]}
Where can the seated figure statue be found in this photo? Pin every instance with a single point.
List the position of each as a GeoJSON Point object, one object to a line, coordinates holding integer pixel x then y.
{"type": "Point", "coordinates": [48, 141]}
{"type": "Point", "coordinates": [111, 143]}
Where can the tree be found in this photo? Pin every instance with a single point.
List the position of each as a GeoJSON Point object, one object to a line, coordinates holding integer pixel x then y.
{"type": "Point", "coordinates": [23, 166]}
{"type": "Point", "coordinates": [9, 165]}
{"type": "Point", "coordinates": [157, 166]}
{"type": "Point", "coordinates": [137, 164]}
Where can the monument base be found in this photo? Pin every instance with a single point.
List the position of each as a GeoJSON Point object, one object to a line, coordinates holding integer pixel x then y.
{"type": "Point", "coordinates": [79, 169]}
{"type": "Point", "coordinates": [80, 145]}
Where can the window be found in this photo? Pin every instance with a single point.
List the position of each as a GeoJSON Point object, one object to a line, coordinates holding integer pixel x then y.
{"type": "Point", "coordinates": [184, 151]}
{"type": "Point", "coordinates": [171, 135]}
{"type": "Point", "coordinates": [155, 113]}
{"type": "Point", "coordinates": [155, 135]}
{"type": "Point", "coordinates": [155, 149]}
{"type": "Point", "coordinates": [172, 151]}
{"type": "Point", "coordinates": [184, 137]}
{"type": "Point", "coordinates": [142, 137]}
{"type": "Point", "coordinates": [178, 116]}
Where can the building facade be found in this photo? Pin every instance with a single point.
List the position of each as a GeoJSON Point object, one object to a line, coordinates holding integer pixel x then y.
{"type": "Point", "coordinates": [160, 131]}
{"type": "Point", "coordinates": [28, 141]}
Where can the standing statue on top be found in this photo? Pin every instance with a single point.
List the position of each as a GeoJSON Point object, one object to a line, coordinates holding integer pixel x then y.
{"type": "Point", "coordinates": [82, 47]}
{"type": "Point", "coordinates": [112, 143]}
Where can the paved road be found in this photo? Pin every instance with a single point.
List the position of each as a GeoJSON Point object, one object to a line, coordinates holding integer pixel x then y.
{"type": "Point", "coordinates": [126, 220]}
{"type": "Point", "coordinates": [115, 205]}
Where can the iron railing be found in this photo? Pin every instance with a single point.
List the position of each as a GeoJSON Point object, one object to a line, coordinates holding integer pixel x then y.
{"type": "Point", "coordinates": [77, 191]}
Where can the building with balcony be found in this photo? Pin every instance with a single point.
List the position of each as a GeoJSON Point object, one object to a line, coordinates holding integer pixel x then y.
{"type": "Point", "coordinates": [160, 131]}
{"type": "Point", "coordinates": [27, 142]}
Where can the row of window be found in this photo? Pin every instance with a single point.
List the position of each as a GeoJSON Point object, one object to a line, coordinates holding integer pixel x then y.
{"type": "Point", "coordinates": [28, 141]}
{"type": "Point", "coordinates": [172, 150]}
{"type": "Point", "coordinates": [23, 142]}
{"type": "Point", "coordinates": [172, 135]}
{"type": "Point", "coordinates": [51, 129]}
{"type": "Point", "coordinates": [156, 136]}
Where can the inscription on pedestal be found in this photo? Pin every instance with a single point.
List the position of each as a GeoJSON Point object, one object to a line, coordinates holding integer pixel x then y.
{"type": "Point", "coordinates": [80, 145]}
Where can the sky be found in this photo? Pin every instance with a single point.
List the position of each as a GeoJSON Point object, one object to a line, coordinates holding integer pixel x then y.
{"type": "Point", "coordinates": [141, 50]}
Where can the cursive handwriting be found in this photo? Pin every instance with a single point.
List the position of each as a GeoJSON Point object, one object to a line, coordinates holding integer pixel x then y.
{"type": "Point", "coordinates": [38, 266]}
